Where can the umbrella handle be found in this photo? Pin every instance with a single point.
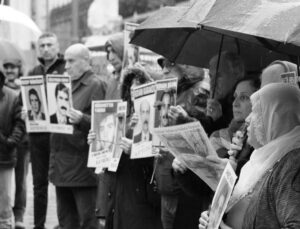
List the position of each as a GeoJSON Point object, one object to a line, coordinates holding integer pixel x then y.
{"type": "Point", "coordinates": [218, 64]}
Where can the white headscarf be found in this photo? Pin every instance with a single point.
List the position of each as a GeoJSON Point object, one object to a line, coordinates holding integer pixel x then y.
{"type": "Point", "coordinates": [276, 111]}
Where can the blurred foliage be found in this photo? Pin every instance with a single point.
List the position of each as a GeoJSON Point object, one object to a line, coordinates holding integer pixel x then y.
{"type": "Point", "coordinates": [128, 7]}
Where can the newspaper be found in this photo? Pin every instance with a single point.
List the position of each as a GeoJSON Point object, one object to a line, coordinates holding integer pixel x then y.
{"type": "Point", "coordinates": [166, 91]}
{"type": "Point", "coordinates": [190, 144]}
{"type": "Point", "coordinates": [144, 98]}
{"type": "Point", "coordinates": [59, 96]}
{"type": "Point", "coordinates": [290, 78]}
{"type": "Point", "coordinates": [131, 52]}
{"type": "Point", "coordinates": [221, 197]}
{"type": "Point", "coordinates": [34, 101]}
{"type": "Point", "coordinates": [103, 123]}
{"type": "Point", "coordinates": [121, 126]}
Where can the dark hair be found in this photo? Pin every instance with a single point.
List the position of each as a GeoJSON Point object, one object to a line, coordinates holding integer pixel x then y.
{"type": "Point", "coordinates": [2, 79]}
{"type": "Point", "coordinates": [46, 35]}
{"type": "Point", "coordinates": [61, 87]}
{"type": "Point", "coordinates": [254, 81]}
{"type": "Point", "coordinates": [171, 92]}
{"type": "Point", "coordinates": [32, 91]}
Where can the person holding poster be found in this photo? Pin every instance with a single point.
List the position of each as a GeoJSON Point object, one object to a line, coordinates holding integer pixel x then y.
{"type": "Point", "coordinates": [178, 208]}
{"type": "Point", "coordinates": [75, 184]}
{"type": "Point", "coordinates": [62, 104]}
{"type": "Point", "coordinates": [50, 62]}
{"type": "Point", "coordinates": [135, 203]}
{"type": "Point", "coordinates": [267, 192]}
{"type": "Point", "coordinates": [35, 113]}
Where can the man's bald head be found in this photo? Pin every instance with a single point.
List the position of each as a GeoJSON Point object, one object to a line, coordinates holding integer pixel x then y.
{"type": "Point", "coordinates": [77, 58]}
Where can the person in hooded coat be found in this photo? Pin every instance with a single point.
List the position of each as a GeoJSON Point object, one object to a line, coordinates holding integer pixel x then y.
{"type": "Point", "coordinates": [267, 194]}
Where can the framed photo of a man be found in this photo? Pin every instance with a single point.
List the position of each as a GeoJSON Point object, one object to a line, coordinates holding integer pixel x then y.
{"type": "Point", "coordinates": [166, 91]}
{"type": "Point", "coordinates": [33, 95]}
{"type": "Point", "coordinates": [104, 123]}
{"type": "Point", "coordinates": [59, 96]}
{"type": "Point", "coordinates": [144, 98]}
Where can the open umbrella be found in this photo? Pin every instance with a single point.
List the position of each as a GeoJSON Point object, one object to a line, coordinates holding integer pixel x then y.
{"type": "Point", "coordinates": [9, 51]}
{"type": "Point", "coordinates": [171, 33]}
{"type": "Point", "coordinates": [9, 14]}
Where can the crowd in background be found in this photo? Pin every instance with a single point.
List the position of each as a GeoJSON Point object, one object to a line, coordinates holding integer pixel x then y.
{"type": "Point", "coordinates": [267, 193]}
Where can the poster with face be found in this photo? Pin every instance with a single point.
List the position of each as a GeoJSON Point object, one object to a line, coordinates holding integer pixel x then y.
{"type": "Point", "coordinates": [59, 94]}
{"type": "Point", "coordinates": [34, 97]}
{"type": "Point", "coordinates": [221, 197]}
{"type": "Point", "coordinates": [131, 52]}
{"type": "Point", "coordinates": [120, 133]}
{"type": "Point", "coordinates": [144, 99]}
{"type": "Point", "coordinates": [104, 123]}
{"type": "Point", "coordinates": [166, 91]}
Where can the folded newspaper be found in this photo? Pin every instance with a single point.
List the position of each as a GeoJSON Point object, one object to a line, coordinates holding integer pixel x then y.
{"type": "Point", "coordinates": [190, 144]}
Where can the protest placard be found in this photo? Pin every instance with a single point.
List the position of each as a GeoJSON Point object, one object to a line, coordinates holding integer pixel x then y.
{"type": "Point", "coordinates": [221, 197]}
{"type": "Point", "coordinates": [120, 132]}
{"type": "Point", "coordinates": [104, 123]}
{"type": "Point", "coordinates": [144, 98]}
{"type": "Point", "coordinates": [166, 91]}
{"type": "Point", "coordinates": [131, 52]}
{"type": "Point", "coordinates": [290, 78]}
{"type": "Point", "coordinates": [59, 96]}
{"type": "Point", "coordinates": [190, 144]}
{"type": "Point", "coordinates": [34, 101]}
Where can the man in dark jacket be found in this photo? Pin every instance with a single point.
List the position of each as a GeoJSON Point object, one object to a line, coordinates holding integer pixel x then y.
{"type": "Point", "coordinates": [51, 62]}
{"type": "Point", "coordinates": [76, 185]}
{"type": "Point", "coordinates": [13, 70]}
{"type": "Point", "coordinates": [12, 130]}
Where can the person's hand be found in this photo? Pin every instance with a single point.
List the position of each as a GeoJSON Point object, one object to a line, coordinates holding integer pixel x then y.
{"type": "Point", "coordinates": [236, 144]}
{"type": "Point", "coordinates": [134, 120]}
{"type": "Point", "coordinates": [125, 145]}
{"type": "Point", "coordinates": [203, 221]}
{"type": "Point", "coordinates": [175, 112]}
{"type": "Point", "coordinates": [24, 113]}
{"type": "Point", "coordinates": [214, 109]}
{"type": "Point", "coordinates": [75, 116]}
{"type": "Point", "coordinates": [91, 137]}
{"type": "Point", "coordinates": [178, 166]}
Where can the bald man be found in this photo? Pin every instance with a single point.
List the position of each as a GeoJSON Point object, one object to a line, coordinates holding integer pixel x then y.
{"type": "Point", "coordinates": [145, 134]}
{"type": "Point", "coordinates": [76, 184]}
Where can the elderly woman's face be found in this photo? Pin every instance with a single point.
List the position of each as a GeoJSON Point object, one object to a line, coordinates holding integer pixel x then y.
{"type": "Point", "coordinates": [252, 122]}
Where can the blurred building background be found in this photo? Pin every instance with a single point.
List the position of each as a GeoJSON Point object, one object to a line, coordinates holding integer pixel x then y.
{"type": "Point", "coordinates": [85, 21]}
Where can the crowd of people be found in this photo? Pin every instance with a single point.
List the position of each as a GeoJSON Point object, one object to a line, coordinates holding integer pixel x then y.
{"type": "Point", "coordinates": [253, 122]}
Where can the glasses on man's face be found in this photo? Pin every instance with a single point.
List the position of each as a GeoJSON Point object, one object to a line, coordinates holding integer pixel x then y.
{"type": "Point", "coordinates": [168, 64]}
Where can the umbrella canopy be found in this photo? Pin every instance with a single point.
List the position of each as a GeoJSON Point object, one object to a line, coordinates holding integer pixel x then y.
{"type": "Point", "coordinates": [274, 24]}
{"type": "Point", "coordinates": [9, 14]}
{"type": "Point", "coordinates": [9, 51]}
{"type": "Point", "coordinates": [171, 33]}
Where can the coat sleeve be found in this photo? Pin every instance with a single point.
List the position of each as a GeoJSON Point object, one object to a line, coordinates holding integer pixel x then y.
{"type": "Point", "coordinates": [287, 196]}
{"type": "Point", "coordinates": [98, 93]}
{"type": "Point", "coordinates": [18, 130]}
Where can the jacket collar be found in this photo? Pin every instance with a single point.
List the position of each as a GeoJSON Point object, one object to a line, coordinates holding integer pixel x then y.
{"type": "Point", "coordinates": [83, 80]}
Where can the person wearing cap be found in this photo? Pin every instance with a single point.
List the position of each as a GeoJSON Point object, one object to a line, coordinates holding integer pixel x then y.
{"type": "Point", "coordinates": [13, 70]}
{"type": "Point", "coordinates": [12, 130]}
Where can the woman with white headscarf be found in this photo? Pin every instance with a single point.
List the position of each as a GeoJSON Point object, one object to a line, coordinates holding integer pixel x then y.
{"type": "Point", "coordinates": [267, 194]}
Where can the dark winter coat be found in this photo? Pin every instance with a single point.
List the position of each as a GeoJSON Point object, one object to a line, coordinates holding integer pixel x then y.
{"type": "Point", "coordinates": [136, 202]}
{"type": "Point", "coordinates": [69, 152]}
{"type": "Point", "coordinates": [12, 127]}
